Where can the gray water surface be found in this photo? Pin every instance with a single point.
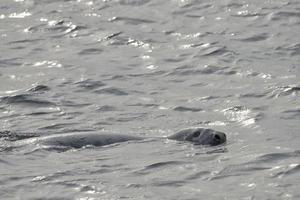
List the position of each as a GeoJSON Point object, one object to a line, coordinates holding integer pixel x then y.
{"type": "Point", "coordinates": [151, 68]}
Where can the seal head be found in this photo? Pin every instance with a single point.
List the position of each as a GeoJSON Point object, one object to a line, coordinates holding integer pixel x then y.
{"type": "Point", "coordinates": [200, 136]}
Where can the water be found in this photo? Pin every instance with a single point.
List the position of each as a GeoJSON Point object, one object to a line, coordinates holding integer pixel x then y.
{"type": "Point", "coordinates": [151, 68]}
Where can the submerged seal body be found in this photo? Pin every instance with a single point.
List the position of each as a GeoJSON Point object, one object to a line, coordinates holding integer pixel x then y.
{"type": "Point", "coordinates": [198, 136]}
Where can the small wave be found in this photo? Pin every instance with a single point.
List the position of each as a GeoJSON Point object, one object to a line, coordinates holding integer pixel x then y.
{"type": "Point", "coordinates": [106, 108]}
{"type": "Point", "coordinates": [242, 115]}
{"type": "Point", "coordinates": [9, 62]}
{"type": "Point", "coordinates": [128, 117]}
{"type": "Point", "coordinates": [110, 36]}
{"type": "Point", "coordinates": [282, 15]}
{"type": "Point", "coordinates": [117, 40]}
{"type": "Point", "coordinates": [134, 2]}
{"type": "Point", "coordinates": [174, 60]}
{"type": "Point", "coordinates": [58, 126]}
{"type": "Point", "coordinates": [39, 88]}
{"type": "Point", "coordinates": [204, 98]}
{"type": "Point", "coordinates": [237, 170]}
{"type": "Point", "coordinates": [90, 84]}
{"type": "Point", "coordinates": [25, 41]}
{"type": "Point", "coordinates": [207, 69]}
{"type": "Point", "coordinates": [52, 176]}
{"type": "Point", "coordinates": [247, 14]}
{"type": "Point", "coordinates": [234, 5]}
{"type": "Point", "coordinates": [198, 175]}
{"type": "Point", "coordinates": [62, 27]}
{"type": "Point", "coordinates": [284, 91]}
{"type": "Point", "coordinates": [48, 63]}
{"type": "Point", "coordinates": [111, 90]}
{"type": "Point", "coordinates": [187, 109]}
{"type": "Point", "coordinates": [132, 21]}
{"type": "Point", "coordinates": [261, 163]}
{"type": "Point", "coordinates": [182, 36]}
{"type": "Point", "coordinates": [214, 51]}
{"type": "Point", "coordinates": [13, 136]}
{"type": "Point", "coordinates": [138, 43]}
{"type": "Point", "coordinates": [163, 164]}
{"type": "Point", "coordinates": [272, 157]}
{"type": "Point", "coordinates": [211, 123]}
{"type": "Point", "coordinates": [102, 171]}
{"type": "Point", "coordinates": [158, 166]}
{"type": "Point", "coordinates": [4, 162]}
{"type": "Point", "coordinates": [255, 38]}
{"type": "Point", "coordinates": [151, 74]}
{"type": "Point", "coordinates": [90, 51]}
{"type": "Point", "coordinates": [71, 103]}
{"type": "Point", "coordinates": [253, 95]}
{"type": "Point", "coordinates": [294, 49]}
{"type": "Point", "coordinates": [145, 105]}
{"type": "Point", "coordinates": [191, 9]}
{"type": "Point", "coordinates": [285, 170]}
{"type": "Point", "coordinates": [171, 183]}
{"type": "Point", "coordinates": [25, 99]}
{"type": "Point", "coordinates": [291, 114]}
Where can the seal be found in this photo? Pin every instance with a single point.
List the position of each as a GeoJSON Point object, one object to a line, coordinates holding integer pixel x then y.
{"type": "Point", "coordinates": [197, 136]}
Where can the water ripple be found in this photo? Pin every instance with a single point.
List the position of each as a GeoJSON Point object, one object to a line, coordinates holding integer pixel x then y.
{"type": "Point", "coordinates": [214, 51]}
{"type": "Point", "coordinates": [242, 115]}
{"type": "Point", "coordinates": [145, 105]}
{"type": "Point", "coordinates": [158, 166]}
{"type": "Point", "coordinates": [291, 114]}
{"type": "Point", "coordinates": [13, 136]}
{"type": "Point", "coordinates": [58, 126]}
{"type": "Point", "coordinates": [110, 36]}
{"type": "Point", "coordinates": [283, 15]}
{"type": "Point", "coordinates": [187, 109]}
{"type": "Point", "coordinates": [107, 108]}
{"type": "Point", "coordinates": [247, 14]}
{"type": "Point", "coordinates": [112, 91]}
{"type": "Point", "coordinates": [261, 163]}
{"type": "Point", "coordinates": [278, 91]}
{"type": "Point", "coordinates": [62, 27]}
{"type": "Point", "coordinates": [207, 69]}
{"type": "Point", "coordinates": [133, 2]}
{"type": "Point", "coordinates": [90, 84]}
{"type": "Point", "coordinates": [90, 51]}
{"type": "Point", "coordinates": [131, 21]}
{"type": "Point", "coordinates": [26, 41]}
{"type": "Point", "coordinates": [282, 171]}
{"type": "Point", "coordinates": [192, 9]}
{"type": "Point", "coordinates": [293, 49]}
{"type": "Point", "coordinates": [9, 62]}
{"type": "Point", "coordinates": [171, 183]}
{"type": "Point", "coordinates": [237, 170]}
{"type": "Point", "coordinates": [255, 37]}
{"type": "Point", "coordinates": [272, 157]}
{"type": "Point", "coordinates": [26, 99]}
{"type": "Point", "coordinates": [39, 89]}
{"type": "Point", "coordinates": [128, 117]}
{"type": "Point", "coordinates": [253, 95]}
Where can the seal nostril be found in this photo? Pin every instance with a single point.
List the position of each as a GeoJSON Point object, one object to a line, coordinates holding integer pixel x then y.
{"type": "Point", "coordinates": [217, 137]}
{"type": "Point", "coordinates": [196, 134]}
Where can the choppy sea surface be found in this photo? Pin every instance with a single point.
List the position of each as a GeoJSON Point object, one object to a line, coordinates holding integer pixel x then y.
{"type": "Point", "coordinates": [151, 68]}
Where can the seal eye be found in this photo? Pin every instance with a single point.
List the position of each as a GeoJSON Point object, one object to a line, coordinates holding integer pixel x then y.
{"type": "Point", "coordinates": [196, 134]}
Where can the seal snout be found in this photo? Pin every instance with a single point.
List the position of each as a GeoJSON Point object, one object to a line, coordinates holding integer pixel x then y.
{"type": "Point", "coordinates": [219, 138]}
